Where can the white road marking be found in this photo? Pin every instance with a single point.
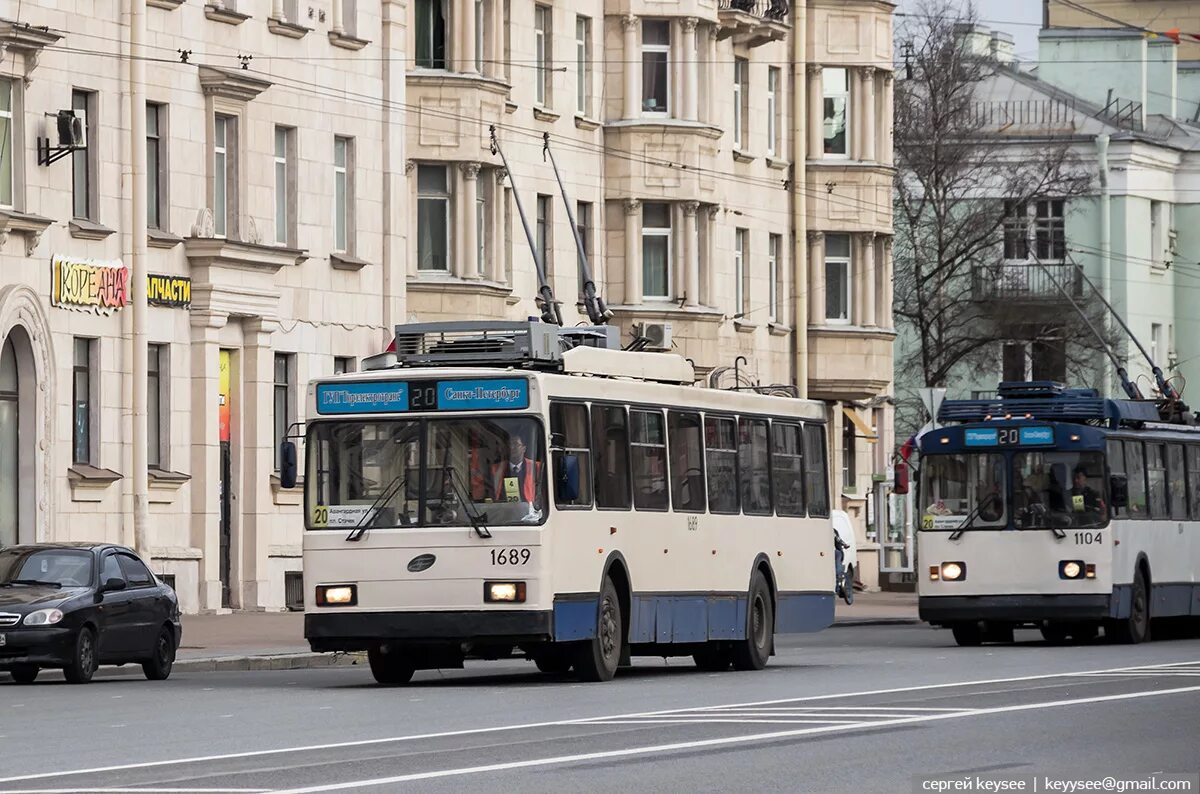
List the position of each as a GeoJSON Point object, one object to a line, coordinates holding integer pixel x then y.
{"type": "Point", "coordinates": [139, 791]}
{"type": "Point", "coordinates": [547, 724]}
{"type": "Point", "coordinates": [724, 741]}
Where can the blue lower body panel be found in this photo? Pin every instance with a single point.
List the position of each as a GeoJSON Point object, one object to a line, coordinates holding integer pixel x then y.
{"type": "Point", "coordinates": [801, 612]}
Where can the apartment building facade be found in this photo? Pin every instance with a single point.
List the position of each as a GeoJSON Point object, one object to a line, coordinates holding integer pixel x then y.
{"type": "Point", "coordinates": [317, 172]}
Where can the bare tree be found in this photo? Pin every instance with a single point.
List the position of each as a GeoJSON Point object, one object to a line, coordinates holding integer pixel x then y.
{"type": "Point", "coordinates": [963, 182]}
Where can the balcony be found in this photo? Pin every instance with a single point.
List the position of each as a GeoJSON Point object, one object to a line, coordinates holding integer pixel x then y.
{"type": "Point", "coordinates": [753, 22]}
{"type": "Point", "coordinates": [1027, 282]}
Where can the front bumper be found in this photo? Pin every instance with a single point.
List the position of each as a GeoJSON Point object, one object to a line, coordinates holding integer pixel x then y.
{"type": "Point", "coordinates": [48, 647]}
{"type": "Point", "coordinates": [1014, 608]}
{"type": "Point", "coordinates": [357, 631]}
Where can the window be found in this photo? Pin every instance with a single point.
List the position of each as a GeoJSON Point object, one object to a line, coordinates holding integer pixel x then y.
{"type": "Point", "coordinates": [754, 467]}
{"type": "Point", "coordinates": [431, 34]}
{"type": "Point", "coordinates": [350, 17]}
{"type": "Point", "coordinates": [433, 217]}
{"type": "Point", "coordinates": [583, 223]}
{"type": "Point", "coordinates": [482, 202]}
{"type": "Point", "coordinates": [610, 448]}
{"type": "Point", "coordinates": [480, 37]}
{"type": "Point", "coordinates": [111, 569]}
{"type": "Point", "coordinates": [545, 240]}
{"type": "Point", "coordinates": [720, 442]}
{"type": "Point", "coordinates": [83, 164]}
{"type": "Point", "coordinates": [1016, 232]}
{"type": "Point", "coordinates": [1162, 233]}
{"type": "Point", "coordinates": [836, 88]}
{"type": "Point", "coordinates": [583, 65]}
{"type": "Point", "coordinates": [291, 11]}
{"type": "Point", "coordinates": [1135, 473]}
{"type": "Point", "coordinates": [1116, 465]}
{"type": "Point", "coordinates": [1177, 482]}
{"type": "Point", "coordinates": [816, 486]}
{"type": "Point", "coordinates": [656, 250]}
{"type": "Point", "coordinates": [157, 441]}
{"type": "Point", "coordinates": [542, 35]}
{"type": "Point", "coordinates": [6, 143]}
{"type": "Point", "coordinates": [1155, 341]}
{"type": "Point", "coordinates": [772, 111]}
{"type": "Point", "coordinates": [224, 175]}
{"type": "Point", "coordinates": [81, 401]}
{"type": "Point", "coordinates": [740, 297]}
{"type": "Point", "coordinates": [344, 364]}
{"type": "Point", "coordinates": [656, 72]}
{"type": "Point", "coordinates": [284, 137]}
{"type": "Point", "coordinates": [343, 193]}
{"type": "Point", "coordinates": [1049, 232]}
{"type": "Point", "coordinates": [787, 468]}
{"type": "Point", "coordinates": [648, 457]}
{"type": "Point", "coordinates": [284, 364]}
{"type": "Point", "coordinates": [774, 283]}
{"type": "Point", "coordinates": [849, 464]}
{"type": "Point", "coordinates": [136, 572]}
{"type": "Point", "coordinates": [1048, 359]}
{"type": "Point", "coordinates": [157, 203]}
{"type": "Point", "coordinates": [1156, 479]}
{"type": "Point", "coordinates": [837, 278]}
{"type": "Point", "coordinates": [686, 436]}
{"type": "Point", "coordinates": [1014, 365]}
{"type": "Point", "coordinates": [741, 68]}
{"type": "Point", "coordinates": [572, 454]}
{"type": "Point", "coordinates": [1193, 477]}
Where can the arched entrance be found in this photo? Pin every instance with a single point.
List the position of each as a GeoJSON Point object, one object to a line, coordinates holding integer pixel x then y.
{"type": "Point", "coordinates": [10, 442]}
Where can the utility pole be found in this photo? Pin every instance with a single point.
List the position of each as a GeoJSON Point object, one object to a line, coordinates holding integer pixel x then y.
{"type": "Point", "coordinates": [137, 273]}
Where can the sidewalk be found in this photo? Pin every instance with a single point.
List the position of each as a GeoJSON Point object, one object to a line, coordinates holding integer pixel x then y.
{"type": "Point", "coordinates": [877, 609]}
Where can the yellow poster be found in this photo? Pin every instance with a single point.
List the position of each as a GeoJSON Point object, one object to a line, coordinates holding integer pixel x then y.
{"type": "Point", "coordinates": [1077, 502]}
{"type": "Point", "coordinates": [512, 489]}
{"type": "Point", "coordinates": [223, 394]}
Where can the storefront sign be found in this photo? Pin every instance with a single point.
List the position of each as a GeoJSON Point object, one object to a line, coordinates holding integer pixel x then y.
{"type": "Point", "coordinates": [172, 291]}
{"type": "Point", "coordinates": [89, 286]}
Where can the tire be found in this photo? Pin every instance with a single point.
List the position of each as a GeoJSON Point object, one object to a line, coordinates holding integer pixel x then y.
{"type": "Point", "coordinates": [753, 652]}
{"type": "Point", "coordinates": [597, 659]}
{"type": "Point", "coordinates": [158, 667]}
{"type": "Point", "coordinates": [999, 633]}
{"type": "Point", "coordinates": [83, 660]}
{"type": "Point", "coordinates": [848, 585]}
{"type": "Point", "coordinates": [1054, 633]}
{"type": "Point", "coordinates": [1135, 628]}
{"type": "Point", "coordinates": [967, 634]}
{"type": "Point", "coordinates": [24, 673]}
{"type": "Point", "coordinates": [715, 658]}
{"type": "Point", "coordinates": [553, 662]}
{"type": "Point", "coordinates": [388, 667]}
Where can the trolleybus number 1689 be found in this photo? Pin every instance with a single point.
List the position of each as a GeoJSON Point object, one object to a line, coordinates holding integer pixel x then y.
{"type": "Point", "coordinates": [510, 556]}
{"type": "Point", "coordinates": [1088, 537]}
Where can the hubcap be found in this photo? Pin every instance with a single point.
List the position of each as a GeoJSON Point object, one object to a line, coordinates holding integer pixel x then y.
{"type": "Point", "coordinates": [759, 622]}
{"type": "Point", "coordinates": [608, 629]}
{"type": "Point", "coordinates": [86, 657]}
{"type": "Point", "coordinates": [1139, 608]}
{"type": "Point", "coordinates": [164, 650]}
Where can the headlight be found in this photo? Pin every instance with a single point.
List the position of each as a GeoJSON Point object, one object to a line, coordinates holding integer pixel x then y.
{"type": "Point", "coordinates": [337, 595]}
{"type": "Point", "coordinates": [44, 617]}
{"type": "Point", "coordinates": [1073, 569]}
{"type": "Point", "coordinates": [954, 571]}
{"type": "Point", "coordinates": [513, 592]}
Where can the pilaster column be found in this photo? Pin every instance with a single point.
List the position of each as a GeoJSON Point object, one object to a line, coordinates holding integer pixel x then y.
{"type": "Point", "coordinates": [691, 255]}
{"type": "Point", "coordinates": [633, 66]}
{"type": "Point", "coordinates": [205, 525]}
{"type": "Point", "coordinates": [337, 25]}
{"type": "Point", "coordinates": [868, 283]}
{"type": "Point", "coordinates": [710, 256]}
{"type": "Point", "coordinates": [816, 113]}
{"type": "Point", "coordinates": [633, 252]}
{"type": "Point", "coordinates": [710, 66]}
{"type": "Point", "coordinates": [258, 461]}
{"type": "Point", "coordinates": [887, 155]}
{"type": "Point", "coordinates": [467, 264]}
{"type": "Point", "coordinates": [868, 115]}
{"type": "Point", "coordinates": [410, 186]}
{"type": "Point", "coordinates": [466, 15]}
{"type": "Point", "coordinates": [277, 10]}
{"type": "Point", "coordinates": [885, 272]}
{"type": "Point", "coordinates": [816, 278]}
{"type": "Point", "coordinates": [691, 69]}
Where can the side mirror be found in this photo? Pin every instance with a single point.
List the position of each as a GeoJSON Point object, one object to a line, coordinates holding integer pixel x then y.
{"type": "Point", "coordinates": [568, 478]}
{"type": "Point", "coordinates": [900, 481]}
{"type": "Point", "coordinates": [287, 464]}
{"type": "Point", "coordinates": [113, 584]}
{"type": "Point", "coordinates": [1118, 486]}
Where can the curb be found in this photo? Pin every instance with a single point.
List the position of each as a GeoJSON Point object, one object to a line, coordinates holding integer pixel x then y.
{"type": "Point", "coordinates": [850, 622]}
{"type": "Point", "coordinates": [223, 664]}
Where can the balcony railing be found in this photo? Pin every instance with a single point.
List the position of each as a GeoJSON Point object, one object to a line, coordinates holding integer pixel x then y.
{"type": "Point", "coordinates": [766, 9]}
{"type": "Point", "coordinates": [1027, 281]}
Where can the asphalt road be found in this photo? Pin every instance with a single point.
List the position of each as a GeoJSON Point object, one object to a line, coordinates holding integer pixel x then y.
{"type": "Point", "coordinates": [864, 709]}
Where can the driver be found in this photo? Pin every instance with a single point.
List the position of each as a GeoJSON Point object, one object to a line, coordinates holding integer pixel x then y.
{"type": "Point", "coordinates": [1086, 502]}
{"type": "Point", "coordinates": [516, 479]}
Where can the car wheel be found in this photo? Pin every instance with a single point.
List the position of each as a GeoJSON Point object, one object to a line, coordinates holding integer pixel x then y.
{"type": "Point", "coordinates": [83, 661]}
{"type": "Point", "coordinates": [597, 659]}
{"type": "Point", "coordinates": [158, 666]}
{"type": "Point", "coordinates": [388, 666]}
{"type": "Point", "coordinates": [753, 652]}
{"type": "Point", "coordinates": [24, 673]}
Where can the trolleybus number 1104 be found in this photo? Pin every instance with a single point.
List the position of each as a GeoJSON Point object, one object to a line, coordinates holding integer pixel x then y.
{"type": "Point", "coordinates": [1088, 537]}
{"type": "Point", "coordinates": [510, 556]}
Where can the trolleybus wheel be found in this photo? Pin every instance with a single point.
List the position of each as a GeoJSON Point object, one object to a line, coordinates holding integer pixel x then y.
{"type": "Point", "coordinates": [715, 658]}
{"type": "Point", "coordinates": [388, 666]}
{"type": "Point", "coordinates": [999, 632]}
{"type": "Point", "coordinates": [553, 661]}
{"type": "Point", "coordinates": [1054, 633]}
{"type": "Point", "coordinates": [967, 634]}
{"type": "Point", "coordinates": [752, 653]}
{"type": "Point", "coordinates": [1136, 627]}
{"type": "Point", "coordinates": [597, 659]}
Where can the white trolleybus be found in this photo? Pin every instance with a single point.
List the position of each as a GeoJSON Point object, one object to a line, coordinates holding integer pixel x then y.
{"type": "Point", "coordinates": [519, 488]}
{"type": "Point", "coordinates": [1059, 509]}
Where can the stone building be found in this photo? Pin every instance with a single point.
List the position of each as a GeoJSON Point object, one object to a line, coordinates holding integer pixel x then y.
{"type": "Point", "coordinates": [320, 170]}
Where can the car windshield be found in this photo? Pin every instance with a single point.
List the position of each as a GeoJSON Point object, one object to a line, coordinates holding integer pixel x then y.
{"type": "Point", "coordinates": [956, 487]}
{"type": "Point", "coordinates": [458, 472]}
{"type": "Point", "coordinates": [1055, 490]}
{"type": "Point", "coordinates": [62, 567]}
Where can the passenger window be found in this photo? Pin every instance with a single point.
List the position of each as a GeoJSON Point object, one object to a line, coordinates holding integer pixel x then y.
{"type": "Point", "coordinates": [1116, 465]}
{"type": "Point", "coordinates": [111, 569]}
{"type": "Point", "coordinates": [1156, 479]}
{"type": "Point", "coordinates": [1135, 470]}
{"type": "Point", "coordinates": [816, 482]}
{"type": "Point", "coordinates": [610, 448]}
{"type": "Point", "coordinates": [1193, 475]}
{"type": "Point", "coordinates": [572, 455]}
{"type": "Point", "coordinates": [787, 469]}
{"type": "Point", "coordinates": [754, 467]}
{"type": "Point", "coordinates": [687, 461]}
{"type": "Point", "coordinates": [136, 573]}
{"type": "Point", "coordinates": [648, 452]}
{"type": "Point", "coordinates": [720, 441]}
{"type": "Point", "coordinates": [1176, 482]}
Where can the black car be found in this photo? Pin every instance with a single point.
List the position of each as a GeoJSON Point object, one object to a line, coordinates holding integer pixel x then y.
{"type": "Point", "coordinates": [77, 606]}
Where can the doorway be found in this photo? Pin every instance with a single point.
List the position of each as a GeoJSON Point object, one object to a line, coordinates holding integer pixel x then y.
{"type": "Point", "coordinates": [10, 443]}
{"type": "Point", "coordinates": [225, 477]}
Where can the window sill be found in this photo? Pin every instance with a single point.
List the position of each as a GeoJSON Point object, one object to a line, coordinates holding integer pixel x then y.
{"type": "Point", "coordinates": [743, 157]}
{"type": "Point", "coordinates": [168, 5]}
{"type": "Point", "coordinates": [777, 164]}
{"type": "Point", "coordinates": [542, 114]}
{"type": "Point", "coordinates": [291, 30]}
{"type": "Point", "coordinates": [670, 310]}
{"type": "Point", "coordinates": [88, 483]}
{"type": "Point", "coordinates": [587, 124]}
{"type": "Point", "coordinates": [85, 229]}
{"type": "Point", "coordinates": [224, 15]}
{"type": "Point", "coordinates": [157, 238]}
{"type": "Point", "coordinates": [510, 107]}
{"type": "Point", "coordinates": [287, 496]}
{"type": "Point", "coordinates": [778, 329]}
{"type": "Point", "coordinates": [443, 282]}
{"type": "Point", "coordinates": [743, 327]}
{"type": "Point", "coordinates": [665, 124]}
{"type": "Point", "coordinates": [31, 226]}
{"type": "Point", "coordinates": [165, 484]}
{"type": "Point", "coordinates": [344, 261]}
{"type": "Point", "coordinates": [176, 553]}
{"type": "Point", "coordinates": [346, 41]}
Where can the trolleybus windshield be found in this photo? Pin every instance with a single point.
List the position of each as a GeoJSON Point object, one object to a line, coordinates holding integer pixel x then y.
{"type": "Point", "coordinates": [964, 485]}
{"type": "Point", "coordinates": [1059, 490]}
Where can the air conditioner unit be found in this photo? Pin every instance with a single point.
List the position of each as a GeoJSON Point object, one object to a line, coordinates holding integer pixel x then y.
{"type": "Point", "coordinates": [72, 129]}
{"type": "Point", "coordinates": [658, 334]}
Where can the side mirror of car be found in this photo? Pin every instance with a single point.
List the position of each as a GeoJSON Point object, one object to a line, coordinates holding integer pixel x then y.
{"type": "Point", "coordinates": [112, 584]}
{"type": "Point", "coordinates": [1118, 485]}
{"type": "Point", "coordinates": [287, 464]}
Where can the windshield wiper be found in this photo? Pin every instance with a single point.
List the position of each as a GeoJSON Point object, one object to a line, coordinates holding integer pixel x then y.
{"type": "Point", "coordinates": [369, 518]}
{"type": "Point", "coordinates": [478, 518]}
{"type": "Point", "coordinates": [33, 582]}
{"type": "Point", "coordinates": [967, 522]}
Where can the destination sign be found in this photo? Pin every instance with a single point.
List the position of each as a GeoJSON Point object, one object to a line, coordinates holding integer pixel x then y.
{"type": "Point", "coordinates": [1008, 436]}
{"type": "Point", "coordinates": [381, 397]}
